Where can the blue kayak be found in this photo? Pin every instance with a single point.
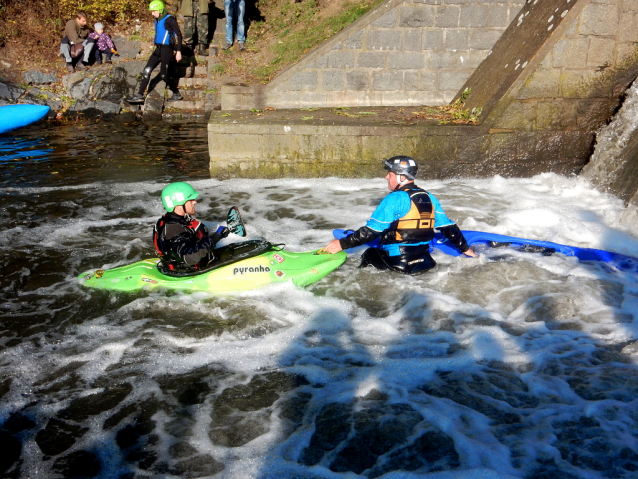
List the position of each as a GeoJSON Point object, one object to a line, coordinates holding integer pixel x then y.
{"type": "Point", "coordinates": [479, 238]}
{"type": "Point", "coordinates": [17, 116]}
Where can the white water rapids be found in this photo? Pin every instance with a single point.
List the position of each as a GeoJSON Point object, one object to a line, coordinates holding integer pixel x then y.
{"type": "Point", "coordinates": [510, 365]}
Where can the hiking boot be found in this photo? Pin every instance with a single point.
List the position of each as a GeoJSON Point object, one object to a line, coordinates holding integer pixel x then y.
{"type": "Point", "coordinates": [227, 46]}
{"type": "Point", "coordinates": [177, 96]}
{"type": "Point", "coordinates": [202, 50]}
{"type": "Point", "coordinates": [69, 67]}
{"type": "Point", "coordinates": [137, 98]}
{"type": "Point", "coordinates": [108, 61]}
{"type": "Point", "coordinates": [80, 66]}
{"type": "Point", "coordinates": [98, 61]}
{"type": "Point", "coordinates": [242, 46]}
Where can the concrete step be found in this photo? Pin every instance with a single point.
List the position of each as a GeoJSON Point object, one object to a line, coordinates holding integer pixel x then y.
{"type": "Point", "coordinates": [193, 82]}
{"type": "Point", "coordinates": [193, 95]}
{"type": "Point", "coordinates": [193, 70]}
{"type": "Point", "coordinates": [183, 115]}
{"type": "Point", "coordinates": [185, 105]}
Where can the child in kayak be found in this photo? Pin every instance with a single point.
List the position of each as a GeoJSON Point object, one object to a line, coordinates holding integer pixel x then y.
{"type": "Point", "coordinates": [184, 244]}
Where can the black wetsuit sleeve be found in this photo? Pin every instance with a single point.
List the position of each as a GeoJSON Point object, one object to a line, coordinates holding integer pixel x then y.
{"type": "Point", "coordinates": [361, 236]}
{"type": "Point", "coordinates": [453, 233]}
{"type": "Point", "coordinates": [172, 26]}
{"type": "Point", "coordinates": [215, 237]}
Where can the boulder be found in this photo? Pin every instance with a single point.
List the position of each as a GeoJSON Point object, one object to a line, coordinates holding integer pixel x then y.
{"type": "Point", "coordinates": [11, 92]}
{"type": "Point", "coordinates": [35, 77]}
{"type": "Point", "coordinates": [128, 49]}
{"type": "Point", "coordinates": [78, 84]}
{"type": "Point", "coordinates": [113, 87]}
{"type": "Point", "coordinates": [154, 104]}
{"type": "Point", "coordinates": [36, 96]}
{"type": "Point", "coordinates": [95, 109]}
{"type": "Point", "coordinates": [133, 73]}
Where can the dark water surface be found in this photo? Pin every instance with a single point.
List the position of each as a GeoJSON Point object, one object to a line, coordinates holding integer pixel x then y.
{"type": "Point", "coordinates": [105, 152]}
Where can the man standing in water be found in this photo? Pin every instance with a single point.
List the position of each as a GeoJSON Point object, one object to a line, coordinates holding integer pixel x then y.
{"type": "Point", "coordinates": [184, 244]}
{"type": "Point", "coordinates": [168, 37]}
{"type": "Point", "coordinates": [404, 221]}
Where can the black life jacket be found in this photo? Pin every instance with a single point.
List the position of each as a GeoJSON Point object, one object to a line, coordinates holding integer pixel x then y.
{"type": "Point", "coordinates": [170, 261]}
{"type": "Point", "coordinates": [417, 226]}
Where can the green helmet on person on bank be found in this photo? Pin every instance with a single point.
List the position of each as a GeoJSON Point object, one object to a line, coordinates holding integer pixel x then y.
{"type": "Point", "coordinates": [177, 194]}
{"type": "Point", "coordinates": [156, 5]}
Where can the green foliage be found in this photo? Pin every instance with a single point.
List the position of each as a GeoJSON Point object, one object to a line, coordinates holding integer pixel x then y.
{"type": "Point", "coordinates": [453, 113]}
{"type": "Point", "coordinates": [101, 10]}
{"type": "Point", "coordinates": [459, 115]}
{"type": "Point", "coordinates": [40, 23]}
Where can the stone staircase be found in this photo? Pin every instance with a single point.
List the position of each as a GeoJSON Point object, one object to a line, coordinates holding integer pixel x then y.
{"type": "Point", "coordinates": [199, 89]}
{"type": "Point", "coordinates": [201, 92]}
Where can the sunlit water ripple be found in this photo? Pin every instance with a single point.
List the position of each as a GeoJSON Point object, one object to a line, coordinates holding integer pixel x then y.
{"type": "Point", "coordinates": [510, 365]}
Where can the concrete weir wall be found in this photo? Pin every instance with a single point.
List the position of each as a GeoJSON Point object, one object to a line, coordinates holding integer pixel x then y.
{"type": "Point", "coordinates": [404, 52]}
{"type": "Point", "coordinates": [550, 81]}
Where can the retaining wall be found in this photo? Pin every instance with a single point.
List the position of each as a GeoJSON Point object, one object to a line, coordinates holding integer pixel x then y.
{"type": "Point", "coordinates": [554, 77]}
{"type": "Point", "coordinates": [404, 52]}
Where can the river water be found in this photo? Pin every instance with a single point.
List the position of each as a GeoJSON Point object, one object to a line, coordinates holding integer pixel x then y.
{"type": "Point", "coordinates": [510, 365]}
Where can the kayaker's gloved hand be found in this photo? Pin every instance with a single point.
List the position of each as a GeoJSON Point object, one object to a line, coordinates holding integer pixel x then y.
{"type": "Point", "coordinates": [222, 231]}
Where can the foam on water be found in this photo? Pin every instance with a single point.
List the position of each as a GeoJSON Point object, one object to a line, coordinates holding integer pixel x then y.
{"type": "Point", "coordinates": [510, 365]}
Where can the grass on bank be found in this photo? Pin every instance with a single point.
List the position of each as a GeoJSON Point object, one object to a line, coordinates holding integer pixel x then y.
{"type": "Point", "coordinates": [289, 31]}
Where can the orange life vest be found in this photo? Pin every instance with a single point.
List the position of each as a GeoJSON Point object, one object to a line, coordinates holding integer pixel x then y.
{"type": "Point", "coordinates": [417, 226]}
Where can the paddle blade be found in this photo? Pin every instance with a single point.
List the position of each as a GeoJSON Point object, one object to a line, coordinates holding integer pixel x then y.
{"type": "Point", "coordinates": [235, 223]}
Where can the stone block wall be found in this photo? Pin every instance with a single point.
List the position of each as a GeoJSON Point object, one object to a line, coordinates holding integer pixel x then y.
{"type": "Point", "coordinates": [553, 78]}
{"type": "Point", "coordinates": [576, 81]}
{"type": "Point", "coordinates": [405, 52]}
{"type": "Point", "coordinates": [547, 97]}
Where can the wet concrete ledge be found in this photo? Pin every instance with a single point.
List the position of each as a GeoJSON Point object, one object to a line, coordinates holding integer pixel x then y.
{"type": "Point", "coordinates": [350, 142]}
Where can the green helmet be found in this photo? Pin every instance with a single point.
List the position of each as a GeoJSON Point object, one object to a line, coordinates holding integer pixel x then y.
{"type": "Point", "coordinates": [156, 5]}
{"type": "Point", "coordinates": [177, 194]}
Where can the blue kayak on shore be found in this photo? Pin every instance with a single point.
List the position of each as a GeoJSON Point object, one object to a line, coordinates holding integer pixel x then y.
{"type": "Point", "coordinates": [491, 240]}
{"type": "Point", "coordinates": [17, 116]}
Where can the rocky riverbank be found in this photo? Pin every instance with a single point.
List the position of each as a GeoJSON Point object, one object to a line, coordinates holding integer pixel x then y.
{"type": "Point", "coordinates": [100, 92]}
{"type": "Point", "coordinates": [97, 92]}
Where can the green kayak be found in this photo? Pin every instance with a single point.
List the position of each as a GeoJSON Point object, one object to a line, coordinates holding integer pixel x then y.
{"type": "Point", "coordinates": [241, 266]}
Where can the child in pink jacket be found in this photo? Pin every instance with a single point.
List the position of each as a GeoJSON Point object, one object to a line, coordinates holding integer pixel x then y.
{"type": "Point", "coordinates": [104, 44]}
